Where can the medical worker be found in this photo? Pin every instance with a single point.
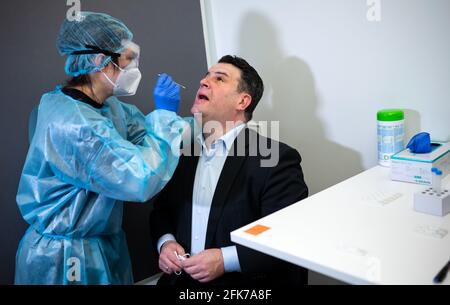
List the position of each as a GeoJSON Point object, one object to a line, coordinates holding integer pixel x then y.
{"type": "Point", "coordinates": [89, 153]}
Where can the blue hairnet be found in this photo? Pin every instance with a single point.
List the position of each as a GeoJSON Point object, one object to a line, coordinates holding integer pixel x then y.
{"type": "Point", "coordinates": [90, 29]}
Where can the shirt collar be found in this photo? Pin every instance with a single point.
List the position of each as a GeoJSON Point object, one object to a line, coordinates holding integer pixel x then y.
{"type": "Point", "coordinates": [227, 138]}
{"type": "Point", "coordinates": [80, 96]}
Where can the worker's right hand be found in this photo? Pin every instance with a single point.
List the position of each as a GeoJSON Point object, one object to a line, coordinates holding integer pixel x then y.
{"type": "Point", "coordinates": [168, 261]}
{"type": "Point", "coordinates": [166, 93]}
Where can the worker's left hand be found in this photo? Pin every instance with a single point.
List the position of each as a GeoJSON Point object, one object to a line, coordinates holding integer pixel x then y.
{"type": "Point", "coordinates": [205, 266]}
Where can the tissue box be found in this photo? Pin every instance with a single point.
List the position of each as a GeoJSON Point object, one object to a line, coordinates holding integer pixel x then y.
{"type": "Point", "coordinates": [416, 168]}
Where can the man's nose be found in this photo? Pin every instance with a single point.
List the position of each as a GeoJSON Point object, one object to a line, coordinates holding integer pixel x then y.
{"type": "Point", "coordinates": [204, 83]}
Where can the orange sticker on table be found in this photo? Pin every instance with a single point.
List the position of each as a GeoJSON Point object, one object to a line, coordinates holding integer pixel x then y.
{"type": "Point", "coordinates": [256, 230]}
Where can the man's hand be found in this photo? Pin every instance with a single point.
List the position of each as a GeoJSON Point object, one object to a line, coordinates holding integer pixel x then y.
{"type": "Point", "coordinates": [205, 266]}
{"type": "Point", "coordinates": [168, 261]}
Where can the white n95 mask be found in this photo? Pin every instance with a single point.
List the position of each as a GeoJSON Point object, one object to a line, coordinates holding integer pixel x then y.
{"type": "Point", "coordinates": [128, 80]}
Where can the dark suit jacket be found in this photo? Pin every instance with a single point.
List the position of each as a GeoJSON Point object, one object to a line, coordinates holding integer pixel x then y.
{"type": "Point", "coordinates": [245, 192]}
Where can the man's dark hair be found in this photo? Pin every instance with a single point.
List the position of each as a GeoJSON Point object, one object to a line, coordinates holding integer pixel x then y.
{"type": "Point", "coordinates": [250, 81]}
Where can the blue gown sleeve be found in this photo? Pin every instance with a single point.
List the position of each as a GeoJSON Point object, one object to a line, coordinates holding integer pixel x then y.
{"type": "Point", "coordinates": [88, 152]}
{"type": "Point", "coordinates": [136, 127]}
{"type": "Point", "coordinates": [136, 132]}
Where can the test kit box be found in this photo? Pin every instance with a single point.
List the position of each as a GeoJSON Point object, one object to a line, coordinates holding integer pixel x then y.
{"type": "Point", "coordinates": [416, 168]}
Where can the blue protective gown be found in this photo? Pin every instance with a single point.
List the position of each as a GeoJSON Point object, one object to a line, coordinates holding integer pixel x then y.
{"type": "Point", "coordinates": [81, 164]}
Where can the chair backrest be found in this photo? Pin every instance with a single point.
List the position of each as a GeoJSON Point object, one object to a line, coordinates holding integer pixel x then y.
{"type": "Point", "coordinates": [32, 120]}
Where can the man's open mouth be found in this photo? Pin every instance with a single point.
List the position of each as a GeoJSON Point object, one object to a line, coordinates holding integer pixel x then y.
{"type": "Point", "coordinates": [203, 97]}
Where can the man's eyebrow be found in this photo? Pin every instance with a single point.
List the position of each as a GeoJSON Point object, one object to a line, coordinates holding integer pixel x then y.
{"type": "Point", "coordinates": [217, 72]}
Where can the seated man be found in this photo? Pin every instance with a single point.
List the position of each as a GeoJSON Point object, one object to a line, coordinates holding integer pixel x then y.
{"type": "Point", "coordinates": [226, 187]}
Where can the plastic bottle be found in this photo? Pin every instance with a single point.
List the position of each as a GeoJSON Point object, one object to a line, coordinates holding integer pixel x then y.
{"type": "Point", "coordinates": [391, 134]}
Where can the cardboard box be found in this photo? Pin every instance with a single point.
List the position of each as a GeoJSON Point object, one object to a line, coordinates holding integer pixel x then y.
{"type": "Point", "coordinates": [416, 168]}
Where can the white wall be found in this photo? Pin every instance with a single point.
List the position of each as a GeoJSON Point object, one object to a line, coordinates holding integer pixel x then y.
{"type": "Point", "coordinates": [327, 70]}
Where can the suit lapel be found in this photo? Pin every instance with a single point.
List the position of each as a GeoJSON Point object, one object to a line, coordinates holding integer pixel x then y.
{"type": "Point", "coordinates": [184, 230]}
{"type": "Point", "coordinates": [229, 172]}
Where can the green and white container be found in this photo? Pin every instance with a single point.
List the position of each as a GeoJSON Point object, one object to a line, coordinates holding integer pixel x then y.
{"type": "Point", "coordinates": [391, 134]}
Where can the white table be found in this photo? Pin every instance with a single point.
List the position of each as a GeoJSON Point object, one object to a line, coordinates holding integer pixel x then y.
{"type": "Point", "coordinates": [363, 230]}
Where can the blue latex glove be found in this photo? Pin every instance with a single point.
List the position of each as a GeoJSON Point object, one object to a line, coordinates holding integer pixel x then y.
{"type": "Point", "coordinates": [420, 143]}
{"type": "Point", "coordinates": [166, 93]}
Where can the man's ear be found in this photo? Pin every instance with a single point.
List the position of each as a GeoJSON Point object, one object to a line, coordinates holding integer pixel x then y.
{"type": "Point", "coordinates": [244, 102]}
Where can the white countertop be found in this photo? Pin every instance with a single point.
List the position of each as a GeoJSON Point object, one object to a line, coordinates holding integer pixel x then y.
{"type": "Point", "coordinates": [361, 231]}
